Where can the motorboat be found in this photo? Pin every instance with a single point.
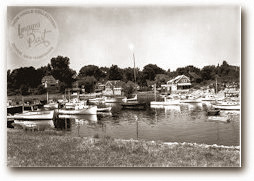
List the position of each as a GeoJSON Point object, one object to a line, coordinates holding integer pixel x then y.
{"type": "Point", "coordinates": [227, 106]}
{"type": "Point", "coordinates": [135, 98]}
{"type": "Point", "coordinates": [134, 105]}
{"type": "Point", "coordinates": [35, 115]}
{"type": "Point", "coordinates": [84, 110]}
{"type": "Point", "coordinates": [168, 100]}
{"type": "Point", "coordinates": [113, 99]}
{"type": "Point", "coordinates": [190, 99]}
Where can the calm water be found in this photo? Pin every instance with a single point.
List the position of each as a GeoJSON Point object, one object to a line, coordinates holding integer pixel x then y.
{"type": "Point", "coordinates": [184, 123]}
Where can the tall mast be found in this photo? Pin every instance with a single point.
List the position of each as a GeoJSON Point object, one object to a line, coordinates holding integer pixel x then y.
{"type": "Point", "coordinates": [134, 67]}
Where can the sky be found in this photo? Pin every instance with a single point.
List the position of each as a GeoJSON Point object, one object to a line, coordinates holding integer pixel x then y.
{"type": "Point", "coordinates": [169, 36]}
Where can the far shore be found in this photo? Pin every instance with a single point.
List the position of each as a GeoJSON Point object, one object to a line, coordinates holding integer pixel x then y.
{"type": "Point", "coordinates": [52, 148]}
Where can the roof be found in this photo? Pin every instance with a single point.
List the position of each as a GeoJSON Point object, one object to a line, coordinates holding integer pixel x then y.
{"type": "Point", "coordinates": [177, 79]}
{"type": "Point", "coordinates": [49, 79]}
{"type": "Point", "coordinates": [115, 83]}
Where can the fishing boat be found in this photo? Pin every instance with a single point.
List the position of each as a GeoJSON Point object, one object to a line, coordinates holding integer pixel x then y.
{"type": "Point", "coordinates": [168, 100]}
{"type": "Point", "coordinates": [134, 105]}
{"type": "Point", "coordinates": [228, 106]}
{"type": "Point", "coordinates": [135, 98]}
{"type": "Point", "coordinates": [34, 115]}
{"type": "Point", "coordinates": [85, 110]}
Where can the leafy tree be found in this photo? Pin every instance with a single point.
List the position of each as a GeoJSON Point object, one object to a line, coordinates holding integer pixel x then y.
{"type": "Point", "coordinates": [61, 70]}
{"type": "Point", "coordinates": [151, 70]}
{"type": "Point", "coordinates": [129, 88]}
{"type": "Point", "coordinates": [88, 82]}
{"type": "Point", "coordinates": [92, 70]}
{"type": "Point", "coordinates": [161, 79]}
{"type": "Point", "coordinates": [115, 73]}
{"type": "Point", "coordinates": [208, 72]}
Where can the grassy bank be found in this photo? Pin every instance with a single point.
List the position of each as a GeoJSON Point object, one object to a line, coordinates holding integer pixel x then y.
{"type": "Point", "coordinates": [54, 149]}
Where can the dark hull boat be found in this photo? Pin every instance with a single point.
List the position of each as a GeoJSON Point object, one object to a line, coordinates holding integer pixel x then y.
{"type": "Point", "coordinates": [134, 106]}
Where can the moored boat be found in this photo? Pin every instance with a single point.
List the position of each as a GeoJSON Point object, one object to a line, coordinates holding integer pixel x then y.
{"type": "Point", "coordinates": [228, 106]}
{"type": "Point", "coordinates": [190, 99]}
{"type": "Point", "coordinates": [169, 100]}
{"type": "Point", "coordinates": [85, 110]}
{"type": "Point", "coordinates": [35, 115]}
{"type": "Point", "coordinates": [135, 98]}
{"type": "Point", "coordinates": [134, 105]}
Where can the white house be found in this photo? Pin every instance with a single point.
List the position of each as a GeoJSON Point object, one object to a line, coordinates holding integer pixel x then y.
{"type": "Point", "coordinates": [113, 87]}
{"type": "Point", "coordinates": [181, 83]}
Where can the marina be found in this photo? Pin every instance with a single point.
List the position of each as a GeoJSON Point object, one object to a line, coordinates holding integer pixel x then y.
{"type": "Point", "coordinates": [194, 122]}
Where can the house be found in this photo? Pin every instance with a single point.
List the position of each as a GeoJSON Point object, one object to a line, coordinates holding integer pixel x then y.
{"type": "Point", "coordinates": [113, 87]}
{"type": "Point", "coordinates": [50, 83]}
{"type": "Point", "coordinates": [181, 83]}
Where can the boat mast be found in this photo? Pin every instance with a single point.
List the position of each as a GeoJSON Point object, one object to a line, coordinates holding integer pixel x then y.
{"type": "Point", "coordinates": [133, 55]}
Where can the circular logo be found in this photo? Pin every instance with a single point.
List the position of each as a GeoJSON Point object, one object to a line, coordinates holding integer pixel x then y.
{"type": "Point", "coordinates": [33, 34]}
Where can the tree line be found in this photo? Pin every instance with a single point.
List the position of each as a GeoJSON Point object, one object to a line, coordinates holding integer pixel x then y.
{"type": "Point", "coordinates": [24, 79]}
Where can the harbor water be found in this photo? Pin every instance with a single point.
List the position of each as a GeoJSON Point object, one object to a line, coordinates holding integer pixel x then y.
{"type": "Point", "coordinates": [179, 123]}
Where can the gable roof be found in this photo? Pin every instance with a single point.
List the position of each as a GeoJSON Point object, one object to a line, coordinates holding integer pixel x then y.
{"type": "Point", "coordinates": [115, 83]}
{"type": "Point", "coordinates": [178, 78]}
{"type": "Point", "coordinates": [49, 79]}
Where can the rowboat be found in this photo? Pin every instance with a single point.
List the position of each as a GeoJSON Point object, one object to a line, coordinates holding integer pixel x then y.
{"type": "Point", "coordinates": [35, 115]}
{"type": "Point", "coordinates": [85, 110]}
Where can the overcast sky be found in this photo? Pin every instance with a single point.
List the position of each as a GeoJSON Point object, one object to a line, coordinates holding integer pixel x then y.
{"type": "Point", "coordinates": [170, 37]}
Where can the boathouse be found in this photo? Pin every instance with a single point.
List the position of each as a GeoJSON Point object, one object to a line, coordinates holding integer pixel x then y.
{"type": "Point", "coordinates": [181, 83]}
{"type": "Point", "coordinates": [50, 83]}
{"type": "Point", "coordinates": [113, 87]}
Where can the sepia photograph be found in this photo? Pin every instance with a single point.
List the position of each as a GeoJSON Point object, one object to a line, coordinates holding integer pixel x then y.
{"type": "Point", "coordinates": [123, 86]}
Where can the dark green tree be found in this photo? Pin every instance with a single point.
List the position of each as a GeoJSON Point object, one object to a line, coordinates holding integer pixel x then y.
{"type": "Point", "coordinates": [115, 73]}
{"type": "Point", "coordinates": [61, 70]}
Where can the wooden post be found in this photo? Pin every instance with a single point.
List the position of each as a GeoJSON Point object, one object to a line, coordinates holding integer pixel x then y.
{"type": "Point", "coordinates": [154, 87]}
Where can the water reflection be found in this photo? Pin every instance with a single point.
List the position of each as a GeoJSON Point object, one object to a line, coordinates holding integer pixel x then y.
{"type": "Point", "coordinates": [180, 123]}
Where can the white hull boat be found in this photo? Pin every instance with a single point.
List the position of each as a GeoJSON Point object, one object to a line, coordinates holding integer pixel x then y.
{"type": "Point", "coordinates": [165, 103]}
{"type": "Point", "coordinates": [169, 100]}
{"type": "Point", "coordinates": [135, 98]}
{"type": "Point", "coordinates": [83, 111]}
{"type": "Point", "coordinates": [228, 106]}
{"type": "Point", "coordinates": [35, 115]}
{"type": "Point", "coordinates": [190, 101]}
{"type": "Point", "coordinates": [51, 106]}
